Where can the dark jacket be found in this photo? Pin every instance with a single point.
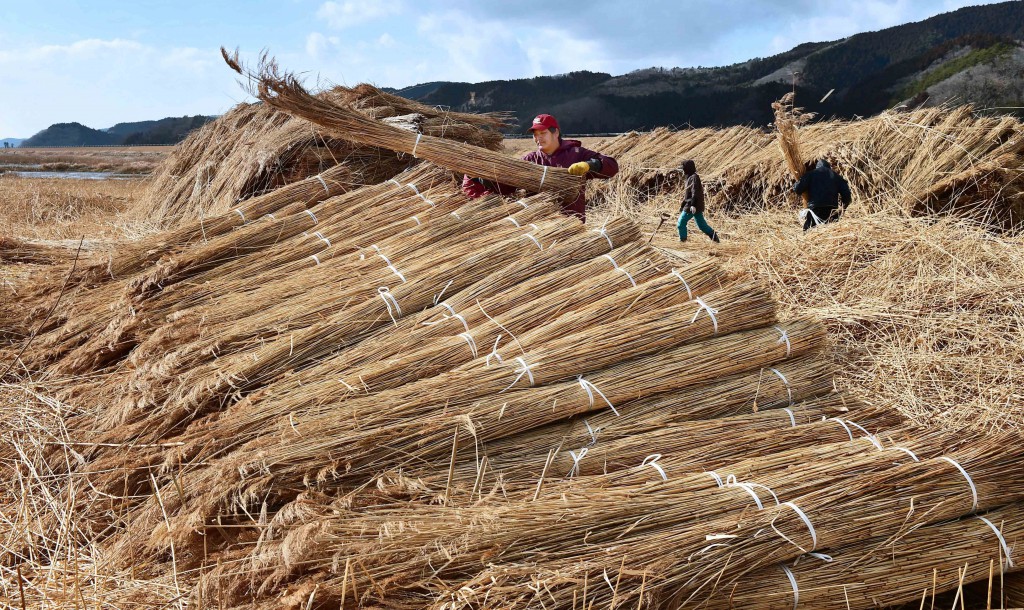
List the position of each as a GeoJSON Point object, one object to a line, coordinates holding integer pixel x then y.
{"type": "Point", "coordinates": [693, 194]}
{"type": "Point", "coordinates": [569, 152]}
{"type": "Point", "coordinates": [824, 189]}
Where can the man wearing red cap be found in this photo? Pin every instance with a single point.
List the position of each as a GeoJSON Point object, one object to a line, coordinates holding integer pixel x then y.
{"type": "Point", "coordinates": [553, 151]}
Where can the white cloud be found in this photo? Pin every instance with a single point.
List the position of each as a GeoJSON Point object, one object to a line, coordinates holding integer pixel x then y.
{"type": "Point", "coordinates": [385, 41]}
{"type": "Point", "coordinates": [82, 49]}
{"type": "Point", "coordinates": [340, 15]}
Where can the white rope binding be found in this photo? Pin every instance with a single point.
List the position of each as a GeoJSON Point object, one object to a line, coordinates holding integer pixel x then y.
{"type": "Point", "coordinates": [792, 581]}
{"type": "Point", "coordinates": [418, 136]}
{"type": "Point", "coordinates": [469, 339]}
{"type": "Point", "coordinates": [323, 239]}
{"type": "Point", "coordinates": [711, 312]}
{"type": "Point", "coordinates": [321, 179]}
{"type": "Point", "coordinates": [576, 461]}
{"type": "Point", "coordinates": [792, 419]}
{"type": "Point", "coordinates": [1002, 542]}
{"type": "Point", "coordinates": [784, 338]}
{"type": "Point", "coordinates": [689, 293]}
{"type": "Point", "coordinates": [789, 390]}
{"type": "Point", "coordinates": [313, 216]}
{"type": "Point", "coordinates": [622, 269]}
{"type": "Point", "coordinates": [590, 388]}
{"type": "Point", "coordinates": [652, 461]}
{"type": "Point", "coordinates": [544, 176]}
{"type": "Point", "coordinates": [389, 301]}
{"type": "Point", "coordinates": [603, 232]}
{"type": "Point", "coordinates": [974, 490]}
{"type": "Point", "coordinates": [239, 212]}
{"type": "Point", "coordinates": [807, 522]}
{"type": "Point", "coordinates": [524, 369]}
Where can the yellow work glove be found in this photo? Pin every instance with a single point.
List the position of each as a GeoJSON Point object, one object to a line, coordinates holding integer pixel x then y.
{"type": "Point", "coordinates": [579, 169]}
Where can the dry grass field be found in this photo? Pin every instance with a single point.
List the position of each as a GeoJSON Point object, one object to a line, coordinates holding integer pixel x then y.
{"type": "Point", "coordinates": [114, 159]}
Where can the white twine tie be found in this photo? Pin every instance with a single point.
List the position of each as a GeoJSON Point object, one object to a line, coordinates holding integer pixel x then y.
{"type": "Point", "coordinates": [457, 217]}
{"type": "Point", "coordinates": [843, 424]}
{"type": "Point", "coordinates": [652, 461]}
{"type": "Point", "coordinates": [784, 338]}
{"type": "Point", "coordinates": [239, 212]}
{"type": "Point", "coordinates": [522, 203]}
{"type": "Point", "coordinates": [534, 239]}
{"type": "Point", "coordinates": [321, 179]}
{"type": "Point", "coordinates": [792, 420]}
{"type": "Point", "coordinates": [1002, 542]}
{"type": "Point", "coordinates": [543, 176]}
{"type": "Point", "coordinates": [593, 436]}
{"type": "Point", "coordinates": [576, 461]}
{"type": "Point", "coordinates": [513, 221]}
{"type": "Point", "coordinates": [689, 293]}
{"type": "Point", "coordinates": [711, 313]}
{"type": "Point", "coordinates": [974, 490]}
{"type": "Point", "coordinates": [323, 239]}
{"type": "Point", "coordinates": [469, 339]}
{"type": "Point", "coordinates": [315, 258]}
{"type": "Point", "coordinates": [789, 390]}
{"type": "Point", "coordinates": [313, 216]}
{"type": "Point", "coordinates": [618, 268]}
{"type": "Point", "coordinates": [414, 189]}
{"type": "Point", "coordinates": [524, 369]}
{"type": "Point", "coordinates": [912, 455]}
{"type": "Point", "coordinates": [418, 136]}
{"type": "Point", "coordinates": [417, 220]}
{"type": "Point", "coordinates": [494, 353]}
{"type": "Point", "coordinates": [389, 301]}
{"type": "Point", "coordinates": [792, 581]}
{"type": "Point", "coordinates": [718, 479]}
{"type": "Point", "coordinates": [807, 522]}
{"type": "Point", "coordinates": [590, 388]}
{"type": "Point", "coordinates": [603, 232]}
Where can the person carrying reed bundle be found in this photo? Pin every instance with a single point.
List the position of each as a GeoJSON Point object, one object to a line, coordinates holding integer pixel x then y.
{"type": "Point", "coordinates": [553, 151]}
{"type": "Point", "coordinates": [693, 203]}
{"type": "Point", "coordinates": [828, 194]}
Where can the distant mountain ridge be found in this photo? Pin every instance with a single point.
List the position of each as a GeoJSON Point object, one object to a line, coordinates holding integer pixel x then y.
{"type": "Point", "coordinates": [971, 55]}
{"type": "Point", "coordinates": [166, 131]}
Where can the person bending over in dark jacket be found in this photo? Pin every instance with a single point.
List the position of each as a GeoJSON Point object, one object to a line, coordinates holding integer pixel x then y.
{"type": "Point", "coordinates": [828, 194]}
{"type": "Point", "coordinates": [553, 151]}
{"type": "Point", "coordinates": [693, 203]}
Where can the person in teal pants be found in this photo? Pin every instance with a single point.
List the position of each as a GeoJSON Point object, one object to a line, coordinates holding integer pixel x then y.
{"type": "Point", "coordinates": [693, 203]}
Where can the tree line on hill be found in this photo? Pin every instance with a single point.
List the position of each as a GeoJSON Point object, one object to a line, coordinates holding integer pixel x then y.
{"type": "Point", "coordinates": [166, 131]}
{"type": "Point", "coordinates": [976, 48]}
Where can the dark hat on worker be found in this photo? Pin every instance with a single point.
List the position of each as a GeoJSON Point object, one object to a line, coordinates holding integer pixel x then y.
{"type": "Point", "coordinates": [543, 121]}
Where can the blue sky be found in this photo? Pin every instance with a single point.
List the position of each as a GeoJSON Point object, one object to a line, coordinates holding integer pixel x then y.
{"type": "Point", "coordinates": [102, 62]}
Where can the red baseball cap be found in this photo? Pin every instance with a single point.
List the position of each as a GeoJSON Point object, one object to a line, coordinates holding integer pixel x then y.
{"type": "Point", "coordinates": [543, 121]}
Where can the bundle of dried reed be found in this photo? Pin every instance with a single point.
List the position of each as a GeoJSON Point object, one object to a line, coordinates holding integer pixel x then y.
{"type": "Point", "coordinates": [591, 523]}
{"type": "Point", "coordinates": [306, 193]}
{"type": "Point", "coordinates": [906, 568]}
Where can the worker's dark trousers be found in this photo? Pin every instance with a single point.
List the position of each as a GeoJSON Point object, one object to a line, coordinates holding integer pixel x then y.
{"type": "Point", "coordinates": [823, 216]}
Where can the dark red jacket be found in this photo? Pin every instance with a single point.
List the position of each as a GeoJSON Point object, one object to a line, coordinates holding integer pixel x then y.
{"type": "Point", "coordinates": [569, 152]}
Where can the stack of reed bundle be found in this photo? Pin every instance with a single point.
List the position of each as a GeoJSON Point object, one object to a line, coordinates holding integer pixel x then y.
{"type": "Point", "coordinates": [254, 149]}
{"type": "Point", "coordinates": [306, 193]}
{"type": "Point", "coordinates": [590, 523]}
{"type": "Point", "coordinates": [929, 160]}
{"type": "Point", "coordinates": [346, 445]}
{"type": "Point", "coordinates": [284, 92]}
{"type": "Point", "coordinates": [648, 556]}
{"type": "Point", "coordinates": [912, 566]}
